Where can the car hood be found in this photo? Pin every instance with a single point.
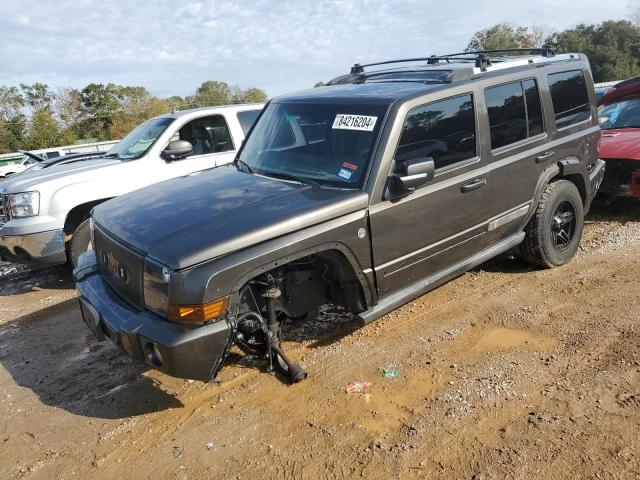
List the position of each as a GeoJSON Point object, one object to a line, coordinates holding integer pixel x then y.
{"type": "Point", "coordinates": [192, 219]}
{"type": "Point", "coordinates": [621, 143]}
{"type": "Point", "coordinates": [31, 180]}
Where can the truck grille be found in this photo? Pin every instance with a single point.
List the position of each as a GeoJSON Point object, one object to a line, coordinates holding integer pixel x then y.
{"type": "Point", "coordinates": [4, 214]}
{"type": "Point", "coordinates": [121, 267]}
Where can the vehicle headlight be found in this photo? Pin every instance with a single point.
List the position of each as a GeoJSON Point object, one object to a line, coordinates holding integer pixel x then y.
{"type": "Point", "coordinates": [25, 204]}
{"type": "Point", "coordinates": [156, 287]}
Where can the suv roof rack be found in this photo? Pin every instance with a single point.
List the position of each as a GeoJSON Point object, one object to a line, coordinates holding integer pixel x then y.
{"type": "Point", "coordinates": [482, 58]}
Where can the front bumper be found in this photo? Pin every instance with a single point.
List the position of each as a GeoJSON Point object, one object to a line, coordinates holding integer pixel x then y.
{"type": "Point", "coordinates": [44, 248]}
{"type": "Point", "coordinates": [622, 179]}
{"type": "Point", "coordinates": [182, 351]}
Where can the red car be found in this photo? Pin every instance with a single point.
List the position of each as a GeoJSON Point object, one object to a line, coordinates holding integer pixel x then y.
{"type": "Point", "coordinates": [619, 114]}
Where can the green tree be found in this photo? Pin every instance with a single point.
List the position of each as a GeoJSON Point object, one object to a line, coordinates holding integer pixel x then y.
{"type": "Point", "coordinates": [499, 36]}
{"type": "Point", "coordinates": [37, 95]}
{"type": "Point", "coordinates": [213, 92]}
{"type": "Point", "coordinates": [612, 48]}
{"type": "Point", "coordinates": [100, 104]}
{"type": "Point", "coordinates": [43, 131]}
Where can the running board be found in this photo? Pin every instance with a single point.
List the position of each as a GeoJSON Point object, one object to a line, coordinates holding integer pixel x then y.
{"type": "Point", "coordinates": [420, 287]}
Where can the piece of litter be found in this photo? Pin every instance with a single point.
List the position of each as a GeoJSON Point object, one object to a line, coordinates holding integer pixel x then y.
{"type": "Point", "coordinates": [390, 372]}
{"type": "Point", "coordinates": [210, 445]}
{"type": "Point", "coordinates": [358, 387]}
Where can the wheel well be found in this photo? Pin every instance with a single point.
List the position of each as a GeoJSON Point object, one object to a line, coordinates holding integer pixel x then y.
{"type": "Point", "coordinates": [314, 280]}
{"type": "Point", "coordinates": [79, 214]}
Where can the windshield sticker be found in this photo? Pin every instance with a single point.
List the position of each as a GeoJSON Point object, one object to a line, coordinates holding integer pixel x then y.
{"type": "Point", "coordinates": [350, 166]}
{"type": "Point", "coordinates": [344, 173]}
{"type": "Point", "coordinates": [354, 122]}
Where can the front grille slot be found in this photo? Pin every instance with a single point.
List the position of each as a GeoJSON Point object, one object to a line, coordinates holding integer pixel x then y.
{"type": "Point", "coordinates": [121, 267]}
{"type": "Point", "coordinates": [4, 212]}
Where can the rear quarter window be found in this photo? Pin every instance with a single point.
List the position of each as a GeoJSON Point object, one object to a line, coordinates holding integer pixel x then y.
{"type": "Point", "coordinates": [247, 119]}
{"type": "Point", "coordinates": [570, 97]}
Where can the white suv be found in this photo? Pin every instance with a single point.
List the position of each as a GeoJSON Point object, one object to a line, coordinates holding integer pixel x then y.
{"type": "Point", "coordinates": [44, 214]}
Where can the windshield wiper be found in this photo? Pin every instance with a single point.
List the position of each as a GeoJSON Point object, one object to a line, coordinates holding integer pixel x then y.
{"type": "Point", "coordinates": [112, 155]}
{"type": "Point", "coordinates": [244, 166]}
{"type": "Point", "coordinates": [288, 176]}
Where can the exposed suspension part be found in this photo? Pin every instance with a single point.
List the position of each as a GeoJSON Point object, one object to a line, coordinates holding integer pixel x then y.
{"type": "Point", "coordinates": [261, 333]}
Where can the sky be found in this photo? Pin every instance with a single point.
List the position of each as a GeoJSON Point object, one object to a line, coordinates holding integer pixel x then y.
{"type": "Point", "coordinates": [281, 46]}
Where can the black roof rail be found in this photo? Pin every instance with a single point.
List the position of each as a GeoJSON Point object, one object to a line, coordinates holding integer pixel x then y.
{"type": "Point", "coordinates": [482, 58]}
{"type": "Point", "coordinates": [545, 51]}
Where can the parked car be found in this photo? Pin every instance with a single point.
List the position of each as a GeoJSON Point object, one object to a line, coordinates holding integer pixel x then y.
{"type": "Point", "coordinates": [61, 160]}
{"type": "Point", "coordinates": [17, 167]}
{"type": "Point", "coordinates": [363, 194]}
{"type": "Point", "coordinates": [619, 113]}
{"type": "Point", "coordinates": [44, 215]}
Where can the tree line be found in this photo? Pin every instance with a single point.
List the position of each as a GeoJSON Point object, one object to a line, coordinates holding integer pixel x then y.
{"type": "Point", "coordinates": [34, 116]}
{"type": "Point", "coordinates": [613, 47]}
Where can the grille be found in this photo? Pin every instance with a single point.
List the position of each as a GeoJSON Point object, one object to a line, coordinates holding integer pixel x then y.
{"type": "Point", "coordinates": [121, 267]}
{"type": "Point", "coordinates": [4, 214]}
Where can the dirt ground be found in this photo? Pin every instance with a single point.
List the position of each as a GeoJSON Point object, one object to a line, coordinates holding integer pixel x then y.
{"type": "Point", "coordinates": [505, 372]}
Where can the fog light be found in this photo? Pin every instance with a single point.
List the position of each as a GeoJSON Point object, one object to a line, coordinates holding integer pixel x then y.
{"type": "Point", "coordinates": [153, 354]}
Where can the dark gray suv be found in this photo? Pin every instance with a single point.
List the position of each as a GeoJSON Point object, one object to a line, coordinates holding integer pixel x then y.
{"type": "Point", "coordinates": [364, 194]}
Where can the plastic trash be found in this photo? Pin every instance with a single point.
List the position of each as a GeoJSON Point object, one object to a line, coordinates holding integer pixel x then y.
{"type": "Point", "coordinates": [358, 386]}
{"type": "Point", "coordinates": [390, 372]}
{"type": "Point", "coordinates": [210, 445]}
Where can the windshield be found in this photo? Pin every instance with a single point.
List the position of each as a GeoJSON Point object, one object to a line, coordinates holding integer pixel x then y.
{"type": "Point", "coordinates": [318, 143]}
{"type": "Point", "coordinates": [624, 113]}
{"type": "Point", "coordinates": [140, 139]}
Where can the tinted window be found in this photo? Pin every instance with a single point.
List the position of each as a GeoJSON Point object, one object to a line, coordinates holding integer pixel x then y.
{"type": "Point", "coordinates": [534, 108]}
{"type": "Point", "coordinates": [570, 98]}
{"type": "Point", "coordinates": [247, 118]}
{"type": "Point", "coordinates": [207, 135]}
{"type": "Point", "coordinates": [444, 130]}
{"type": "Point", "coordinates": [507, 114]}
{"type": "Point", "coordinates": [515, 112]}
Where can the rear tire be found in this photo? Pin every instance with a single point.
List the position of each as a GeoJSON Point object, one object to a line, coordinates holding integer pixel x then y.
{"type": "Point", "coordinates": [80, 243]}
{"type": "Point", "coordinates": [553, 234]}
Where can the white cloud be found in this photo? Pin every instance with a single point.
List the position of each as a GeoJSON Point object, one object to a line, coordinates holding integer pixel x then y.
{"type": "Point", "coordinates": [280, 45]}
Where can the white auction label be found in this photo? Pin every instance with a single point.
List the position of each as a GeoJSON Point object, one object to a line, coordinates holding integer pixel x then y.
{"type": "Point", "coordinates": [354, 122]}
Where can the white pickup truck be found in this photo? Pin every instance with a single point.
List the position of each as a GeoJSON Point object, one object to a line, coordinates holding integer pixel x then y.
{"type": "Point", "coordinates": [44, 215]}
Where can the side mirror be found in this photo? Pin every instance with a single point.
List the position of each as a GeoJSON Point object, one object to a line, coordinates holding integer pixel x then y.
{"type": "Point", "coordinates": [413, 174]}
{"type": "Point", "coordinates": [177, 150]}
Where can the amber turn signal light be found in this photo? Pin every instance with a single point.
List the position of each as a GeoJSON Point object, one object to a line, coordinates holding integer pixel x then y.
{"type": "Point", "coordinates": [198, 313]}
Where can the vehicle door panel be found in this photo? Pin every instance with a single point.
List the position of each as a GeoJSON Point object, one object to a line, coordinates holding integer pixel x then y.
{"type": "Point", "coordinates": [432, 228]}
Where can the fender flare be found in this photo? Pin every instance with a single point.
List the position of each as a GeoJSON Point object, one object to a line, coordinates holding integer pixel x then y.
{"type": "Point", "coordinates": [570, 168]}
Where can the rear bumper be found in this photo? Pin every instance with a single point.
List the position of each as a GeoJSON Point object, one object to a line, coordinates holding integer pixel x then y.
{"type": "Point", "coordinates": [44, 248]}
{"type": "Point", "coordinates": [622, 179]}
{"type": "Point", "coordinates": [178, 350]}
{"type": "Point", "coordinates": [596, 176]}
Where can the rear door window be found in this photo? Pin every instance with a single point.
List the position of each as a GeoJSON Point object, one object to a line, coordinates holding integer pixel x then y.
{"type": "Point", "coordinates": [570, 97]}
{"type": "Point", "coordinates": [444, 130]}
{"type": "Point", "coordinates": [515, 112]}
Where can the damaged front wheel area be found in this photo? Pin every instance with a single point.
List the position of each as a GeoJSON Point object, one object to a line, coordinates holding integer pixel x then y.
{"type": "Point", "coordinates": [259, 326]}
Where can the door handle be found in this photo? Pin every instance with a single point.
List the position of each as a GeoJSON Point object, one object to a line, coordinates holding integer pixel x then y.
{"type": "Point", "coordinates": [544, 156]}
{"type": "Point", "coordinates": [474, 184]}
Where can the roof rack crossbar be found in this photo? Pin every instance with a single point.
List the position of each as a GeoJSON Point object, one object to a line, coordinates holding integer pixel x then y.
{"type": "Point", "coordinates": [433, 59]}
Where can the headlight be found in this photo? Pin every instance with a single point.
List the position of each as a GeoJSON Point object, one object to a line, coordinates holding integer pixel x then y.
{"type": "Point", "coordinates": [26, 204]}
{"type": "Point", "coordinates": [156, 287]}
{"type": "Point", "coordinates": [92, 230]}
